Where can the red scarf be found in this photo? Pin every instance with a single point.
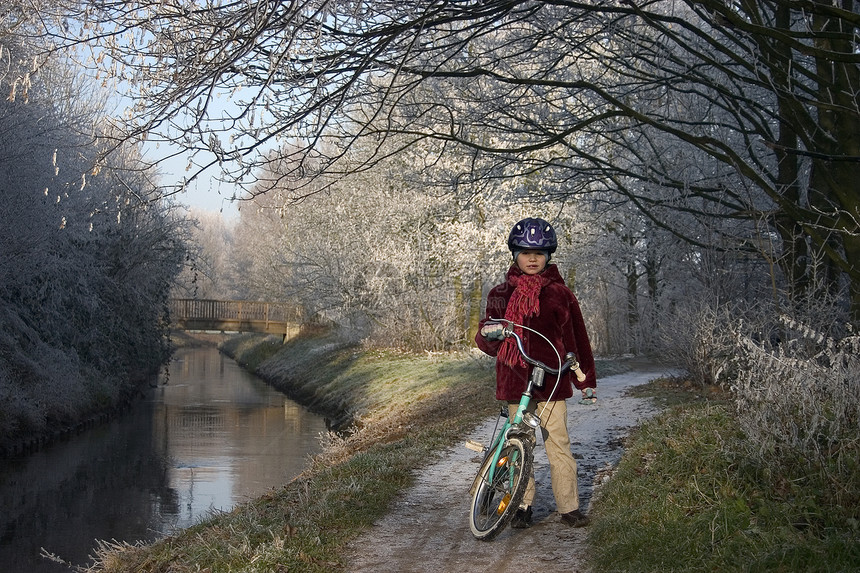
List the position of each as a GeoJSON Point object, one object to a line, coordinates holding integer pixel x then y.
{"type": "Point", "coordinates": [524, 302]}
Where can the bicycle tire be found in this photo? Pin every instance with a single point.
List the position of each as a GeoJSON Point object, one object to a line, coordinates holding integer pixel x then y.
{"type": "Point", "coordinates": [494, 504]}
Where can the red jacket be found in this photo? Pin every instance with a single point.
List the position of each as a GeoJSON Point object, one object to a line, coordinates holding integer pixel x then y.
{"type": "Point", "coordinates": [560, 320]}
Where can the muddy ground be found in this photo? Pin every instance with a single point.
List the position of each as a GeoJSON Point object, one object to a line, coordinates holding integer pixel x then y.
{"type": "Point", "coordinates": [427, 529]}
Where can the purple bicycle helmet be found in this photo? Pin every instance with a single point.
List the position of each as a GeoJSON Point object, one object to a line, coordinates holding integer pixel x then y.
{"type": "Point", "coordinates": [532, 234]}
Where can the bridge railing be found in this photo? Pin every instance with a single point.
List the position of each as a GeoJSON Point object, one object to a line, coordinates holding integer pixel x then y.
{"type": "Point", "coordinates": [240, 315]}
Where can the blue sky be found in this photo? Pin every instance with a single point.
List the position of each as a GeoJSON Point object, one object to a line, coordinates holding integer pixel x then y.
{"type": "Point", "coordinates": [204, 193]}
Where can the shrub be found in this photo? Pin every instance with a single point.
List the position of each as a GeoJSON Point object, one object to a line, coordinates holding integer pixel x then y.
{"type": "Point", "coordinates": [798, 402]}
{"type": "Point", "coordinates": [700, 342]}
{"type": "Point", "coordinates": [800, 395]}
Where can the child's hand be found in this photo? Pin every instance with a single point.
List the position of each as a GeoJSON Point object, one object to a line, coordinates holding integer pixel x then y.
{"type": "Point", "coordinates": [589, 396]}
{"type": "Point", "coordinates": [494, 331]}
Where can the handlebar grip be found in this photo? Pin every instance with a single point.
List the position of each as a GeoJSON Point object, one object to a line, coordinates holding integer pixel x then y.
{"type": "Point", "coordinates": [580, 375]}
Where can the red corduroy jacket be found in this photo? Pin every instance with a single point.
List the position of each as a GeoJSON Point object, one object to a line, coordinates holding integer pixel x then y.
{"type": "Point", "coordinates": [560, 320]}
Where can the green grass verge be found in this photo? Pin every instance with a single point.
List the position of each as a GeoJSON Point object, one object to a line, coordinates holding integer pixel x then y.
{"type": "Point", "coordinates": [684, 498]}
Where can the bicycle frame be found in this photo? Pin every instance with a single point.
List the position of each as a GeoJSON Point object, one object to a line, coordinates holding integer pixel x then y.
{"type": "Point", "coordinates": [511, 424]}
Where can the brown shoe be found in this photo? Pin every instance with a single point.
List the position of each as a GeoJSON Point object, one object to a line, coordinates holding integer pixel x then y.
{"type": "Point", "coordinates": [575, 518]}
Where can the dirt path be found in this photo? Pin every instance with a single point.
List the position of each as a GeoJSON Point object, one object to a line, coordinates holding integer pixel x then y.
{"type": "Point", "coordinates": [427, 530]}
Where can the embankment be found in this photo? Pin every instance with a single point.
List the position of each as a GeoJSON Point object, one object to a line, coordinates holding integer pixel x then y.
{"type": "Point", "coordinates": [345, 383]}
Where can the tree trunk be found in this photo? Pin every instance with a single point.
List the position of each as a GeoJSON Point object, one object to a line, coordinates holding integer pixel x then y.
{"type": "Point", "coordinates": [475, 298]}
{"type": "Point", "coordinates": [632, 306]}
{"type": "Point", "coordinates": [834, 183]}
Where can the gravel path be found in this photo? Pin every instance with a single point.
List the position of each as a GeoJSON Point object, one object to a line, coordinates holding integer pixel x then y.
{"type": "Point", "coordinates": [427, 530]}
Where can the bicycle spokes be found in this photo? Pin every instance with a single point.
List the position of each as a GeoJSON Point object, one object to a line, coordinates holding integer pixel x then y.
{"type": "Point", "coordinates": [500, 489]}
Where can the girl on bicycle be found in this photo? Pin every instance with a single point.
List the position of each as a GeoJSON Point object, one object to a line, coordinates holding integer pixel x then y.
{"type": "Point", "coordinates": [534, 295]}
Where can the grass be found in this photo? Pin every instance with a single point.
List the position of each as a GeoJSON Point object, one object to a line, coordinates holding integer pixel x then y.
{"type": "Point", "coordinates": [685, 498]}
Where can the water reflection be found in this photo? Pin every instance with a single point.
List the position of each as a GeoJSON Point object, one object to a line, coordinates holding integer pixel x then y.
{"type": "Point", "coordinates": [211, 437]}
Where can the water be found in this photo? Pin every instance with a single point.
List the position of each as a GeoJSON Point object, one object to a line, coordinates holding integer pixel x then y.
{"type": "Point", "coordinates": [207, 438]}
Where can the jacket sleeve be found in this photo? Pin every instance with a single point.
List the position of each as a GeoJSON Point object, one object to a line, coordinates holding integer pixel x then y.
{"type": "Point", "coordinates": [582, 346]}
{"type": "Point", "coordinates": [496, 305]}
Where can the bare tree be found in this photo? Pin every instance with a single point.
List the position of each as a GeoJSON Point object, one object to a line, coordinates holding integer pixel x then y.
{"type": "Point", "coordinates": [206, 273]}
{"type": "Point", "coordinates": [761, 95]}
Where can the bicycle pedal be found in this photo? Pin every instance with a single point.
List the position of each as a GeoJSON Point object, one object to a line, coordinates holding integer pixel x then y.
{"type": "Point", "coordinates": [475, 446]}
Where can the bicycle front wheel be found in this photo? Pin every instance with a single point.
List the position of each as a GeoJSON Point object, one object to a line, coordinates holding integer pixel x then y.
{"type": "Point", "coordinates": [494, 502]}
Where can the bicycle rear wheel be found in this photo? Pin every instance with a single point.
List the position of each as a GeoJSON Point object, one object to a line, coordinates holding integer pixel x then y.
{"type": "Point", "coordinates": [494, 503]}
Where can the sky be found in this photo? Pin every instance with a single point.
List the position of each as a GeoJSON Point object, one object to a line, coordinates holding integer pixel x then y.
{"type": "Point", "coordinates": [205, 193]}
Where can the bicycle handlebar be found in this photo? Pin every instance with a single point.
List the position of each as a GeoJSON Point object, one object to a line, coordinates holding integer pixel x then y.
{"type": "Point", "coordinates": [570, 362]}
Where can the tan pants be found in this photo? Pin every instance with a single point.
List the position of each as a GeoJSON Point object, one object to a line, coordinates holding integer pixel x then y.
{"type": "Point", "coordinates": [562, 465]}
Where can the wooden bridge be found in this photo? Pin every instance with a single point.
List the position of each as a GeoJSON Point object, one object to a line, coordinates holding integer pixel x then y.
{"type": "Point", "coordinates": [235, 316]}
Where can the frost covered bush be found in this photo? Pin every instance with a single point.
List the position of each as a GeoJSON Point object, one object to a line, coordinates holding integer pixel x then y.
{"type": "Point", "coordinates": [87, 255]}
{"type": "Point", "coordinates": [699, 340]}
{"type": "Point", "coordinates": [796, 390]}
{"type": "Point", "coordinates": [799, 398]}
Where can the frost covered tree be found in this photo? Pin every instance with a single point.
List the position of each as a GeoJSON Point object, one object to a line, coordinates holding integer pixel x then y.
{"type": "Point", "coordinates": [87, 252]}
{"type": "Point", "coordinates": [206, 272]}
{"type": "Point", "coordinates": [761, 95]}
{"type": "Point", "coordinates": [388, 254]}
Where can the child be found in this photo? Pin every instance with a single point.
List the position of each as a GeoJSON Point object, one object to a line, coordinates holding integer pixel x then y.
{"type": "Point", "coordinates": [534, 295]}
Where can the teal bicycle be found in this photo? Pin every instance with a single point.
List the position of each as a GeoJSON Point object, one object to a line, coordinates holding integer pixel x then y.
{"type": "Point", "coordinates": [503, 477]}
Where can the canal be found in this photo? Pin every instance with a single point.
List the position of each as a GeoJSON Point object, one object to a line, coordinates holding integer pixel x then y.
{"type": "Point", "coordinates": [207, 437]}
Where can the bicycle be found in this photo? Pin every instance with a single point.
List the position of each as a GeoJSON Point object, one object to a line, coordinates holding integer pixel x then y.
{"type": "Point", "coordinates": [502, 479]}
